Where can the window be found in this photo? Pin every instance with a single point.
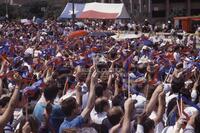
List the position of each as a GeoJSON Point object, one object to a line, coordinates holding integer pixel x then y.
{"type": "Point", "coordinates": [195, 12]}
{"type": "Point", "coordinates": [117, 1]}
{"type": "Point", "coordinates": [157, 1]}
{"type": "Point", "coordinates": [195, 1]}
{"type": "Point", "coordinates": [177, 1]}
{"type": "Point", "coordinates": [159, 14]}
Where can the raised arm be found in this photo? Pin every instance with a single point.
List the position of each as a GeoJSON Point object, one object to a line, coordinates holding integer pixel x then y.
{"type": "Point", "coordinates": [90, 104]}
{"type": "Point", "coordinates": [109, 83]}
{"type": "Point", "coordinates": [117, 88]}
{"type": "Point", "coordinates": [111, 71]}
{"type": "Point", "coordinates": [194, 94]}
{"type": "Point", "coordinates": [2, 71]}
{"type": "Point", "coordinates": [1, 87]}
{"type": "Point", "coordinates": [89, 75]}
{"type": "Point", "coordinates": [161, 107]}
{"type": "Point", "coordinates": [10, 109]}
{"type": "Point", "coordinates": [78, 94]}
{"type": "Point", "coordinates": [116, 128]}
{"type": "Point", "coordinates": [154, 99]}
{"type": "Point", "coordinates": [126, 125]}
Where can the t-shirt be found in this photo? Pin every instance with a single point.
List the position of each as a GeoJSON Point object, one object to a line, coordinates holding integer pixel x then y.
{"type": "Point", "coordinates": [56, 117]}
{"type": "Point", "coordinates": [71, 123]}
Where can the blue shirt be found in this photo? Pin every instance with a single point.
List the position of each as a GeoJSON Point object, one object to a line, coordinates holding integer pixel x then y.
{"type": "Point", "coordinates": [56, 117]}
{"type": "Point", "coordinates": [67, 123]}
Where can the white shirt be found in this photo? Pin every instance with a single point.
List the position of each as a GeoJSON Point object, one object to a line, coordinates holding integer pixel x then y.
{"type": "Point", "coordinates": [29, 51]}
{"type": "Point", "coordinates": [168, 97]}
{"type": "Point", "coordinates": [176, 56]}
{"type": "Point", "coordinates": [29, 67]}
{"type": "Point", "coordinates": [97, 117]}
{"type": "Point", "coordinates": [141, 102]}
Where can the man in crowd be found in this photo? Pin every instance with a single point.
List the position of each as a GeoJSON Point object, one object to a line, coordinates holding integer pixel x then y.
{"type": "Point", "coordinates": [55, 80]}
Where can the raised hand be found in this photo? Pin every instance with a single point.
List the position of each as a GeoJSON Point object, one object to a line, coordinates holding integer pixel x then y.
{"type": "Point", "coordinates": [49, 75]}
{"type": "Point", "coordinates": [94, 77]}
{"type": "Point", "coordinates": [3, 69]}
{"type": "Point", "coordinates": [197, 82]}
{"type": "Point", "coordinates": [26, 128]}
{"type": "Point", "coordinates": [128, 107]}
{"type": "Point", "coordinates": [17, 78]}
{"type": "Point", "coordinates": [141, 118]}
{"type": "Point", "coordinates": [161, 107]}
{"type": "Point", "coordinates": [179, 124]}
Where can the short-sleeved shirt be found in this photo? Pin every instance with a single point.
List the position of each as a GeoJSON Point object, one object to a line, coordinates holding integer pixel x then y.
{"type": "Point", "coordinates": [56, 117]}
{"type": "Point", "coordinates": [71, 123]}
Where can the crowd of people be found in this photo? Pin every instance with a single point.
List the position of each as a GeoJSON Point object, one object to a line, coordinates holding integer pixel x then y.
{"type": "Point", "coordinates": [53, 82]}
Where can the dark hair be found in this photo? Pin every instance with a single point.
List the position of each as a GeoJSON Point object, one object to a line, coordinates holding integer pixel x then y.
{"type": "Point", "coordinates": [30, 109]}
{"type": "Point", "coordinates": [101, 66]}
{"type": "Point", "coordinates": [99, 89]}
{"type": "Point", "coordinates": [150, 91]}
{"type": "Point", "coordinates": [113, 54]}
{"type": "Point", "coordinates": [176, 48]}
{"type": "Point", "coordinates": [177, 85]}
{"type": "Point", "coordinates": [100, 104]}
{"type": "Point", "coordinates": [148, 125]}
{"type": "Point", "coordinates": [32, 122]}
{"type": "Point", "coordinates": [100, 128]}
{"type": "Point", "coordinates": [4, 101]}
{"type": "Point", "coordinates": [81, 77]}
{"type": "Point", "coordinates": [114, 115]}
{"type": "Point", "coordinates": [68, 105]}
{"type": "Point", "coordinates": [118, 100]}
{"type": "Point", "coordinates": [141, 68]}
{"type": "Point", "coordinates": [197, 123]}
{"type": "Point", "coordinates": [171, 105]}
{"type": "Point", "coordinates": [70, 130]}
{"type": "Point", "coordinates": [71, 80]}
{"type": "Point", "coordinates": [50, 92]}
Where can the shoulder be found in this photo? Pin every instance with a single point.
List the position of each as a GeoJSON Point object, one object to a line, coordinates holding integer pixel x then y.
{"type": "Point", "coordinates": [79, 119]}
{"type": "Point", "coordinates": [39, 107]}
{"type": "Point", "coordinates": [76, 122]}
{"type": "Point", "coordinates": [63, 126]}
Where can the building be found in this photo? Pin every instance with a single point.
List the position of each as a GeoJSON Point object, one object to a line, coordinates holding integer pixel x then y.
{"type": "Point", "coordinates": [22, 2]}
{"type": "Point", "coordinates": [169, 8]}
{"type": "Point", "coordinates": [159, 10]}
{"type": "Point", "coordinates": [155, 10]}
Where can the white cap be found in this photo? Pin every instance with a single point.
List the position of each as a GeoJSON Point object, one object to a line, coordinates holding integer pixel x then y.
{"type": "Point", "coordinates": [144, 60]}
{"type": "Point", "coordinates": [190, 111]}
{"type": "Point", "coordinates": [145, 47]}
{"type": "Point", "coordinates": [1, 26]}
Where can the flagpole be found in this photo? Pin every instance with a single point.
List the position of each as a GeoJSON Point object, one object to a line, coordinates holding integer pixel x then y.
{"type": "Point", "coordinates": [6, 9]}
{"type": "Point", "coordinates": [73, 15]}
{"type": "Point", "coordinates": [140, 6]}
{"type": "Point", "coordinates": [129, 85]}
{"type": "Point", "coordinates": [167, 76]}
